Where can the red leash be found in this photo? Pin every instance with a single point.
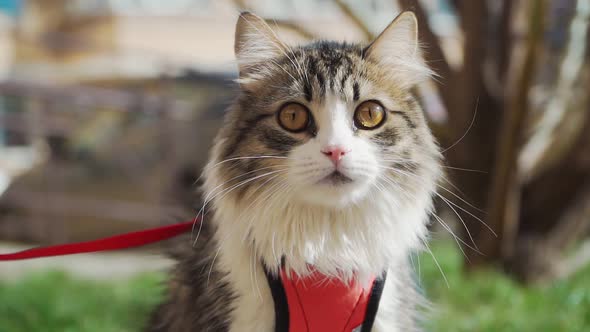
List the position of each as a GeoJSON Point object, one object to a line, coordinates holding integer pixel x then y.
{"type": "Point", "coordinates": [117, 242]}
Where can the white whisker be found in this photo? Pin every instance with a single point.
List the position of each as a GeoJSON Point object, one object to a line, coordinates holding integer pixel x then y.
{"type": "Point", "coordinates": [467, 131]}
{"type": "Point", "coordinates": [451, 202]}
{"type": "Point", "coordinates": [437, 264]}
{"type": "Point", "coordinates": [212, 191]}
{"type": "Point", "coordinates": [226, 191]}
{"type": "Point", "coordinates": [460, 219]}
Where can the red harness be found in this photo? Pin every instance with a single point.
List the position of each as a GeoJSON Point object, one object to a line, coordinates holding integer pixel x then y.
{"type": "Point", "coordinates": [311, 304]}
{"type": "Point", "coordinates": [318, 304]}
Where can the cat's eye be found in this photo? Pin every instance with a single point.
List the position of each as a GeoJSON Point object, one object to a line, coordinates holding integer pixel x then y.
{"type": "Point", "coordinates": [369, 115]}
{"type": "Point", "coordinates": [294, 117]}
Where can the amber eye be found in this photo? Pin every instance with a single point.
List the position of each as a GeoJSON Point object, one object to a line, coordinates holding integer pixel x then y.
{"type": "Point", "coordinates": [294, 117]}
{"type": "Point", "coordinates": [369, 115]}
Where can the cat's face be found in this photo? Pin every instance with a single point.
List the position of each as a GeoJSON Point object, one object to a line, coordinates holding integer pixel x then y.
{"type": "Point", "coordinates": [326, 124]}
{"type": "Point", "coordinates": [338, 162]}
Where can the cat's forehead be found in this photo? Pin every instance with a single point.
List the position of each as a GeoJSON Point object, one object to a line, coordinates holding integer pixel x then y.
{"type": "Point", "coordinates": [332, 54]}
{"type": "Point", "coordinates": [309, 74]}
{"type": "Point", "coordinates": [330, 67]}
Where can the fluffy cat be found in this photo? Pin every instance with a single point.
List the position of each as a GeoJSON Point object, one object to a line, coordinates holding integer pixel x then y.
{"type": "Point", "coordinates": [324, 160]}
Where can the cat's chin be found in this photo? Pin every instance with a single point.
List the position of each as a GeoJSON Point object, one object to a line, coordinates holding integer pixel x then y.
{"type": "Point", "coordinates": [333, 195]}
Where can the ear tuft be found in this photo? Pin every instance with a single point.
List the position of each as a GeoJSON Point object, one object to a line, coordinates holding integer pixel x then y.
{"type": "Point", "coordinates": [255, 42]}
{"type": "Point", "coordinates": [397, 48]}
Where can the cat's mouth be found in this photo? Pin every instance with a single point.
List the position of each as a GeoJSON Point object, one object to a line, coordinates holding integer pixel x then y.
{"type": "Point", "coordinates": [336, 178]}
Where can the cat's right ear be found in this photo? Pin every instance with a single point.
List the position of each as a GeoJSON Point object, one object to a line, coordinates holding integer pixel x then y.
{"type": "Point", "coordinates": [255, 43]}
{"type": "Point", "coordinates": [398, 48]}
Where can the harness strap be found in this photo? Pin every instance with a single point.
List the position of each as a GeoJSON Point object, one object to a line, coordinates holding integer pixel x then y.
{"type": "Point", "coordinates": [373, 304]}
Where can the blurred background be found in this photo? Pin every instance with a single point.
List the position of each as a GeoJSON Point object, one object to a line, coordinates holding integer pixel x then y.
{"type": "Point", "coordinates": [108, 109]}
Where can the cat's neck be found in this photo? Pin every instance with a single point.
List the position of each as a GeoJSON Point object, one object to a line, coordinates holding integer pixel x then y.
{"type": "Point", "coordinates": [360, 240]}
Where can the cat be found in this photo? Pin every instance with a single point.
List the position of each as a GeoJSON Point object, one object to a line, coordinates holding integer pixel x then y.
{"type": "Point", "coordinates": [324, 164]}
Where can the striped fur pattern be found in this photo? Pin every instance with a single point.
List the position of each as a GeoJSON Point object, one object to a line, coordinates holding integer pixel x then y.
{"type": "Point", "coordinates": [270, 195]}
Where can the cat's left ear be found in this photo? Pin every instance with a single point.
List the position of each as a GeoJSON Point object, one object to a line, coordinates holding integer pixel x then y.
{"type": "Point", "coordinates": [255, 43]}
{"type": "Point", "coordinates": [398, 49]}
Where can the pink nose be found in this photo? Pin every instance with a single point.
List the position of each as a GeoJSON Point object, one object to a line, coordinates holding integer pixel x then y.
{"type": "Point", "coordinates": [335, 153]}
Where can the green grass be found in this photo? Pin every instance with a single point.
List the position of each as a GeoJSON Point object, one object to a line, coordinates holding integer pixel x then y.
{"type": "Point", "coordinates": [55, 302]}
{"type": "Point", "coordinates": [482, 302]}
{"type": "Point", "coordinates": [487, 301]}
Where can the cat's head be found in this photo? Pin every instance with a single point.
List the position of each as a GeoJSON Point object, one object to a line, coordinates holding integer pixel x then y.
{"type": "Point", "coordinates": [329, 123]}
{"type": "Point", "coordinates": [325, 157]}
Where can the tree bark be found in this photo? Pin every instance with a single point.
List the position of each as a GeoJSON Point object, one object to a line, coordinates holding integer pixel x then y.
{"type": "Point", "coordinates": [503, 207]}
